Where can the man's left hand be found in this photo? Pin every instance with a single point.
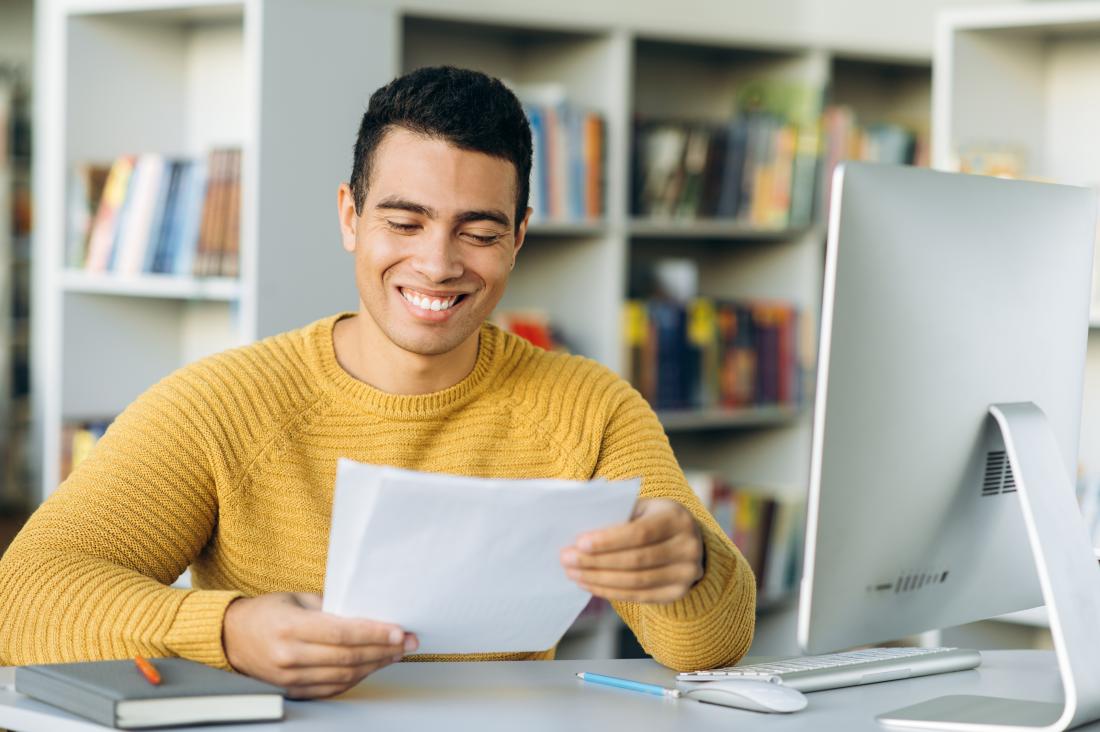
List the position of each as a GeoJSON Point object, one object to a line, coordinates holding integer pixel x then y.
{"type": "Point", "coordinates": [655, 557]}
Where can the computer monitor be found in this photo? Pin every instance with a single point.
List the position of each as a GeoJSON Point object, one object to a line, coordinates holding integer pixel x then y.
{"type": "Point", "coordinates": [947, 295]}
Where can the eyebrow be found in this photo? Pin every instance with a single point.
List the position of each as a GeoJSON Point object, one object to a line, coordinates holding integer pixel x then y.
{"type": "Point", "coordinates": [402, 204]}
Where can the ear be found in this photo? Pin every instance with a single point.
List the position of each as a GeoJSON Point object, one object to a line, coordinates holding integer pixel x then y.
{"type": "Point", "coordinates": [349, 219]}
{"type": "Point", "coordinates": [521, 234]}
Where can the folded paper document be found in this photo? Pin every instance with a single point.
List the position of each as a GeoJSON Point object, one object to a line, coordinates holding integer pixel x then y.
{"type": "Point", "coordinates": [468, 564]}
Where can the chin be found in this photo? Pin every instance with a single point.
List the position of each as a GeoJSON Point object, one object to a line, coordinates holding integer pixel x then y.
{"type": "Point", "coordinates": [430, 344]}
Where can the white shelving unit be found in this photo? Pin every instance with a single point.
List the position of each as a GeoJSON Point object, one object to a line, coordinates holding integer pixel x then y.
{"type": "Point", "coordinates": [131, 76]}
{"type": "Point", "coordinates": [287, 81]}
{"type": "Point", "coordinates": [1025, 78]}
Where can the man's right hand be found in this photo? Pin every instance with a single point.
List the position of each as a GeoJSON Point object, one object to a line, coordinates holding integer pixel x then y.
{"type": "Point", "coordinates": [285, 639]}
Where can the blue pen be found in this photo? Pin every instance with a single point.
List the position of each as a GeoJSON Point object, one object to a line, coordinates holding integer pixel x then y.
{"type": "Point", "coordinates": [628, 684]}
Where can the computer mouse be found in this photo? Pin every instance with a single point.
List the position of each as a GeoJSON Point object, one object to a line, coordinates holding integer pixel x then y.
{"type": "Point", "coordinates": [755, 695]}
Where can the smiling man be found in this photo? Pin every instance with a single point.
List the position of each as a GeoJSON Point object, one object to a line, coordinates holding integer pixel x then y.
{"type": "Point", "coordinates": [228, 465]}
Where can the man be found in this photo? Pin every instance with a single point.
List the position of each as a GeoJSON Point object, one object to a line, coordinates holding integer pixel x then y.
{"type": "Point", "coordinates": [228, 465]}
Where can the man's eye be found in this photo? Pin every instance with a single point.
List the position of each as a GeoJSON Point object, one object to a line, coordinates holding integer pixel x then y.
{"type": "Point", "coordinates": [482, 238]}
{"type": "Point", "coordinates": [401, 226]}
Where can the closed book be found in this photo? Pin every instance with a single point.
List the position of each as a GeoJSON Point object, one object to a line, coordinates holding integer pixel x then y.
{"type": "Point", "coordinates": [230, 259]}
{"type": "Point", "coordinates": [102, 236]}
{"type": "Point", "coordinates": [114, 693]}
{"type": "Point", "coordinates": [141, 212]}
{"type": "Point", "coordinates": [183, 246]}
{"type": "Point", "coordinates": [537, 194]}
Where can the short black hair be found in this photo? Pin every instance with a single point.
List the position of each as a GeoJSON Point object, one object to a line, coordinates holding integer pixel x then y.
{"type": "Point", "coordinates": [467, 109]}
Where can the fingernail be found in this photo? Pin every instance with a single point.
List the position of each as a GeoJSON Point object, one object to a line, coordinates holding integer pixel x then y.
{"type": "Point", "coordinates": [585, 544]}
{"type": "Point", "coordinates": [396, 659]}
{"type": "Point", "coordinates": [572, 573]}
{"type": "Point", "coordinates": [396, 636]}
{"type": "Point", "coordinates": [410, 644]}
{"type": "Point", "coordinates": [569, 557]}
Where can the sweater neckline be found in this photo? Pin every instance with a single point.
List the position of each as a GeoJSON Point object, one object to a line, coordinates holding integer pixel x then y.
{"type": "Point", "coordinates": [401, 405]}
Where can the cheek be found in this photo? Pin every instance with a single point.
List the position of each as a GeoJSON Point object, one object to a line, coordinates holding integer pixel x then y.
{"type": "Point", "coordinates": [373, 258]}
{"type": "Point", "coordinates": [493, 267]}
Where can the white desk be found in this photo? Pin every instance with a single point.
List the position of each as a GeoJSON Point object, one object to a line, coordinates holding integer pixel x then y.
{"type": "Point", "coordinates": [544, 695]}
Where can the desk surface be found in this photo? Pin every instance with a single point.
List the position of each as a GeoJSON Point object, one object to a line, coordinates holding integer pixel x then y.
{"type": "Point", "coordinates": [545, 695]}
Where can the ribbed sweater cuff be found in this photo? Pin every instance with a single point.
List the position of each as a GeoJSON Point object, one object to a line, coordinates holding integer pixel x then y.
{"type": "Point", "coordinates": [196, 632]}
{"type": "Point", "coordinates": [712, 625]}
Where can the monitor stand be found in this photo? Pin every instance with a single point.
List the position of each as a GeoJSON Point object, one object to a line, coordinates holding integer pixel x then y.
{"type": "Point", "coordinates": [1070, 581]}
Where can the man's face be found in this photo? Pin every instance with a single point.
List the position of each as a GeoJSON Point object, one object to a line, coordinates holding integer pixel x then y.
{"type": "Point", "coordinates": [434, 242]}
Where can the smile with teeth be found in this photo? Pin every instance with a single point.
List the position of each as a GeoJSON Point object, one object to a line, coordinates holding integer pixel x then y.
{"type": "Point", "coordinates": [428, 302]}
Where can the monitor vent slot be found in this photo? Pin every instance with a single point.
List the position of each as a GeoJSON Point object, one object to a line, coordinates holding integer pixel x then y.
{"type": "Point", "coordinates": [998, 474]}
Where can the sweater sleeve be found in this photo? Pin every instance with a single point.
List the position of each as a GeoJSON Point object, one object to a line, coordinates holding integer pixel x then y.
{"type": "Point", "coordinates": [88, 576]}
{"type": "Point", "coordinates": [713, 624]}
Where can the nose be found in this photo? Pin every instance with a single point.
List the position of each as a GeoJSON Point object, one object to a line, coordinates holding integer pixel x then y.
{"type": "Point", "coordinates": [438, 257]}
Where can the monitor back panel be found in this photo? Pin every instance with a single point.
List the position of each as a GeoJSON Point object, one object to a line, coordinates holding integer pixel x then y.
{"type": "Point", "coordinates": [944, 294]}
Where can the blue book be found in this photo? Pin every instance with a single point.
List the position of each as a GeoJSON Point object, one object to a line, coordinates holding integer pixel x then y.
{"type": "Point", "coordinates": [186, 241]}
{"type": "Point", "coordinates": [176, 217]}
{"type": "Point", "coordinates": [168, 181]}
{"type": "Point", "coordinates": [539, 172]}
{"type": "Point", "coordinates": [729, 196]}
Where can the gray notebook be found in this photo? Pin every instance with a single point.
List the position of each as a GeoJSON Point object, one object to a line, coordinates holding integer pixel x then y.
{"type": "Point", "coordinates": [114, 693]}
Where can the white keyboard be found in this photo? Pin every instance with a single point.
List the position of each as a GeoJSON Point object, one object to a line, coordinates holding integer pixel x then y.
{"type": "Point", "coordinates": [851, 668]}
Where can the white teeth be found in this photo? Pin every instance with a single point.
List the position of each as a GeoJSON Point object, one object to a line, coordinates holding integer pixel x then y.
{"type": "Point", "coordinates": [427, 303]}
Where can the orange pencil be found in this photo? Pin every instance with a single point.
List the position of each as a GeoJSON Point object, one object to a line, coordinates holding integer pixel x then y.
{"type": "Point", "coordinates": [147, 670]}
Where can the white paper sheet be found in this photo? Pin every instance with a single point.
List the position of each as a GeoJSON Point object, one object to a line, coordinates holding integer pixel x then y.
{"type": "Point", "coordinates": [470, 565]}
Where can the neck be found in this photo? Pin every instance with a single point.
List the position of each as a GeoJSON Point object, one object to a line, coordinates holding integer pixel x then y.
{"type": "Point", "coordinates": [365, 352]}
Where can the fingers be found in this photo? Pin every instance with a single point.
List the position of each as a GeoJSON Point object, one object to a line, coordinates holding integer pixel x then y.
{"type": "Point", "coordinates": [336, 631]}
{"type": "Point", "coordinates": [682, 547]}
{"type": "Point", "coordinates": [660, 595]}
{"type": "Point", "coordinates": [345, 676]}
{"type": "Point", "coordinates": [639, 532]}
{"type": "Point", "coordinates": [304, 655]}
{"type": "Point", "coordinates": [654, 521]}
{"type": "Point", "coordinates": [681, 575]}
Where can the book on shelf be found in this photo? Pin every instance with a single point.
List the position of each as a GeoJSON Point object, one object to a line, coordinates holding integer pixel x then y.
{"type": "Point", "coordinates": [757, 168]}
{"type": "Point", "coordinates": [766, 526]}
{"type": "Point", "coordinates": [1002, 160]}
{"type": "Point", "coordinates": [153, 214]}
{"type": "Point", "coordinates": [844, 137]}
{"type": "Point", "coordinates": [708, 353]}
{"type": "Point", "coordinates": [569, 156]}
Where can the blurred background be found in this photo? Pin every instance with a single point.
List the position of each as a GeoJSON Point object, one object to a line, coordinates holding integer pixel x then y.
{"type": "Point", "coordinates": [168, 173]}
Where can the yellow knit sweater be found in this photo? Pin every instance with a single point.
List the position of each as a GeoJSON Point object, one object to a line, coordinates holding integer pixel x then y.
{"type": "Point", "coordinates": [228, 466]}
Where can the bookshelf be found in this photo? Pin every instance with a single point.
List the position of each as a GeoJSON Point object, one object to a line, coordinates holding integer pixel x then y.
{"type": "Point", "coordinates": [6, 246]}
{"type": "Point", "coordinates": [217, 72]}
{"type": "Point", "coordinates": [16, 28]}
{"type": "Point", "coordinates": [179, 78]}
{"type": "Point", "coordinates": [1019, 81]}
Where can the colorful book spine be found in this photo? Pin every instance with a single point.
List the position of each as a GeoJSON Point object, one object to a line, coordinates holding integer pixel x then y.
{"type": "Point", "coordinates": [714, 354]}
{"type": "Point", "coordinates": [156, 215]}
{"type": "Point", "coordinates": [568, 162]}
{"type": "Point", "coordinates": [766, 525]}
